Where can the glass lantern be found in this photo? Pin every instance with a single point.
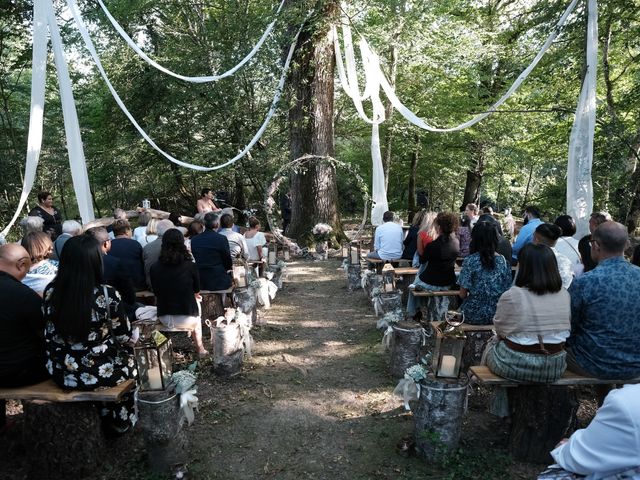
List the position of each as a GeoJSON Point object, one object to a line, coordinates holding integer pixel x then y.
{"type": "Point", "coordinates": [388, 278]}
{"type": "Point", "coordinates": [240, 274]}
{"type": "Point", "coordinates": [154, 357]}
{"type": "Point", "coordinates": [354, 254]}
{"type": "Point", "coordinates": [447, 352]}
{"type": "Point", "coordinates": [272, 256]}
{"type": "Point", "coordinates": [345, 250]}
{"type": "Point", "coordinates": [286, 252]}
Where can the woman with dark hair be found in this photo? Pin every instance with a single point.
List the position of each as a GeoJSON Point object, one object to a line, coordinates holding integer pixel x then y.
{"type": "Point", "coordinates": [532, 321]}
{"type": "Point", "coordinates": [205, 202]}
{"type": "Point", "coordinates": [43, 270]}
{"type": "Point", "coordinates": [411, 240]}
{"type": "Point", "coordinates": [439, 274]}
{"type": "Point", "coordinates": [548, 234]}
{"type": "Point", "coordinates": [195, 228]}
{"type": "Point", "coordinates": [86, 338]}
{"type": "Point", "coordinates": [464, 236]}
{"type": "Point", "coordinates": [255, 240]}
{"type": "Point", "coordinates": [485, 275]}
{"type": "Point", "coordinates": [176, 283]}
{"type": "Point", "coordinates": [567, 245]}
{"type": "Point", "coordinates": [48, 213]}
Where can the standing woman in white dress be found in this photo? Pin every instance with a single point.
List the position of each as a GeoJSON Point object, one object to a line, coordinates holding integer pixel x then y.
{"type": "Point", "coordinates": [567, 245]}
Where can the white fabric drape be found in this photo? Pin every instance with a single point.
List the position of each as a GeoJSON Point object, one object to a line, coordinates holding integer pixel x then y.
{"type": "Point", "coordinates": [77, 160]}
{"type": "Point", "coordinates": [89, 44]}
{"type": "Point", "coordinates": [36, 114]}
{"type": "Point", "coordinates": [579, 185]}
{"type": "Point", "coordinates": [204, 79]}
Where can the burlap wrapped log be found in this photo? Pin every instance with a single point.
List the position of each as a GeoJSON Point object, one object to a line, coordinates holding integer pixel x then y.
{"type": "Point", "coordinates": [227, 348]}
{"type": "Point", "coordinates": [246, 300]}
{"type": "Point", "coordinates": [389, 302]}
{"type": "Point", "coordinates": [354, 273]}
{"type": "Point", "coordinates": [438, 416]}
{"type": "Point", "coordinates": [160, 421]}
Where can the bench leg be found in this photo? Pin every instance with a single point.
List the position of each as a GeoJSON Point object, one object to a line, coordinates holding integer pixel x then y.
{"type": "Point", "coordinates": [541, 417]}
{"type": "Point", "coordinates": [67, 438]}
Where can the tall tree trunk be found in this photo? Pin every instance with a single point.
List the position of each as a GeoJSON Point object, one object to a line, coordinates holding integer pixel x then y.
{"type": "Point", "coordinates": [474, 177]}
{"type": "Point", "coordinates": [413, 170]}
{"type": "Point", "coordinates": [314, 192]}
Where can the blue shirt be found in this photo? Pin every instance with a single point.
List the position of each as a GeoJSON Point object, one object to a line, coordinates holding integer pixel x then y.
{"type": "Point", "coordinates": [605, 319]}
{"type": "Point", "coordinates": [485, 288]}
{"type": "Point", "coordinates": [525, 236]}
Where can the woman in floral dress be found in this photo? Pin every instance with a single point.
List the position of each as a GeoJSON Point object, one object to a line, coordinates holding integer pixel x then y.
{"type": "Point", "coordinates": [485, 275]}
{"type": "Point", "coordinates": [87, 332]}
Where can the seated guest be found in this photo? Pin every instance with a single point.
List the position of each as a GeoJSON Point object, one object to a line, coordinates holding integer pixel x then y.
{"type": "Point", "coordinates": [22, 357]}
{"type": "Point", "coordinates": [43, 270]}
{"type": "Point", "coordinates": [31, 224]}
{"type": "Point", "coordinates": [195, 228]}
{"type": "Point", "coordinates": [472, 211]}
{"type": "Point", "coordinates": [70, 228]}
{"type": "Point", "coordinates": [567, 245]}
{"type": "Point", "coordinates": [114, 272]}
{"type": "Point", "coordinates": [86, 339]}
{"type": "Point", "coordinates": [175, 281]}
{"type": "Point", "coordinates": [151, 251]}
{"type": "Point", "coordinates": [140, 232]}
{"type": "Point", "coordinates": [464, 236]}
{"type": "Point", "coordinates": [485, 276]}
{"type": "Point", "coordinates": [212, 255]}
{"type": "Point", "coordinates": [504, 245]}
{"type": "Point", "coordinates": [439, 274]}
{"type": "Point", "coordinates": [388, 239]}
{"type": "Point", "coordinates": [584, 245]}
{"type": "Point", "coordinates": [532, 321]}
{"type": "Point", "coordinates": [411, 240]}
{"type": "Point", "coordinates": [129, 252]}
{"type": "Point", "coordinates": [532, 220]}
{"type": "Point", "coordinates": [176, 219]}
{"type": "Point", "coordinates": [255, 240]}
{"type": "Point", "coordinates": [151, 232]}
{"type": "Point", "coordinates": [548, 234]}
{"type": "Point", "coordinates": [610, 446]}
{"type": "Point", "coordinates": [118, 214]}
{"type": "Point", "coordinates": [427, 234]}
{"type": "Point", "coordinates": [605, 328]}
{"type": "Point", "coordinates": [237, 244]}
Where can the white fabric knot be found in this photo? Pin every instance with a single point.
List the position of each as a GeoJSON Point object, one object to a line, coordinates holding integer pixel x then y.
{"type": "Point", "coordinates": [189, 403]}
{"type": "Point", "coordinates": [407, 389]}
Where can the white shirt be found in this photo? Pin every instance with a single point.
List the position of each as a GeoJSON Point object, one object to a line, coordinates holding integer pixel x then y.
{"type": "Point", "coordinates": [565, 267]}
{"type": "Point", "coordinates": [237, 243]}
{"type": "Point", "coordinates": [388, 241]}
{"type": "Point", "coordinates": [610, 443]}
{"type": "Point", "coordinates": [258, 240]}
{"type": "Point", "coordinates": [568, 246]}
{"type": "Point", "coordinates": [140, 235]}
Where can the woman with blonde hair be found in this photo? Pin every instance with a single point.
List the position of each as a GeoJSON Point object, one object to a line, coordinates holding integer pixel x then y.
{"type": "Point", "coordinates": [427, 234]}
{"type": "Point", "coordinates": [43, 270]}
{"type": "Point", "coordinates": [140, 232]}
{"type": "Point", "coordinates": [411, 240]}
{"type": "Point", "coordinates": [152, 230]}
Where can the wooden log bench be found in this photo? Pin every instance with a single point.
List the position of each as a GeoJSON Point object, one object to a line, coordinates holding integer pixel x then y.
{"type": "Point", "coordinates": [378, 263]}
{"type": "Point", "coordinates": [453, 295]}
{"type": "Point", "coordinates": [477, 338]}
{"type": "Point", "coordinates": [405, 276]}
{"type": "Point", "coordinates": [63, 427]}
{"type": "Point", "coordinates": [541, 415]}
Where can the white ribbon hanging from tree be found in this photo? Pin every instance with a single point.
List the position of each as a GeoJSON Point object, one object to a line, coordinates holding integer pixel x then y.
{"type": "Point", "coordinates": [203, 79]}
{"type": "Point", "coordinates": [579, 184]}
{"type": "Point", "coordinates": [77, 159]}
{"type": "Point", "coordinates": [36, 113]}
{"type": "Point", "coordinates": [89, 44]}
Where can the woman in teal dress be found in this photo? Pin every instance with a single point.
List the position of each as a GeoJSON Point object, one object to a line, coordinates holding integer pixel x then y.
{"type": "Point", "coordinates": [485, 276]}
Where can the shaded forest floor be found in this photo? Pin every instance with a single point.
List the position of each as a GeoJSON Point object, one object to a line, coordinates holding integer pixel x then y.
{"type": "Point", "coordinates": [314, 402]}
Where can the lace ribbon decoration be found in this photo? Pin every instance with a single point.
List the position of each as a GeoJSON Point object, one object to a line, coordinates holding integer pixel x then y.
{"type": "Point", "coordinates": [407, 389]}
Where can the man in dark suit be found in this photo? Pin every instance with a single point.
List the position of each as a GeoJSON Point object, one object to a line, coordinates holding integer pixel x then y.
{"type": "Point", "coordinates": [212, 255]}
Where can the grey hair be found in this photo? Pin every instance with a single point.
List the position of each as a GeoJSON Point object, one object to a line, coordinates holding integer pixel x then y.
{"type": "Point", "coordinates": [163, 226]}
{"type": "Point", "coordinates": [71, 227]}
{"type": "Point", "coordinates": [119, 213]}
{"type": "Point", "coordinates": [31, 224]}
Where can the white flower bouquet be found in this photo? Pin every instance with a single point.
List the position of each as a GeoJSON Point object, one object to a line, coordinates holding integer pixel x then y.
{"type": "Point", "coordinates": [321, 232]}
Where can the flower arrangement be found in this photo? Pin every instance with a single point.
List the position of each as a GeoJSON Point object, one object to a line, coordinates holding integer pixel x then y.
{"type": "Point", "coordinates": [321, 232]}
{"type": "Point", "coordinates": [416, 372]}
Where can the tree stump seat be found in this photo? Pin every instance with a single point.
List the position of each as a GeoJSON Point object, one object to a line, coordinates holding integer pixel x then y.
{"type": "Point", "coordinates": [64, 427]}
{"type": "Point", "coordinates": [541, 414]}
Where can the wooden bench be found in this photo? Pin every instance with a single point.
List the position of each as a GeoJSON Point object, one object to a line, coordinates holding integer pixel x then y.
{"type": "Point", "coordinates": [439, 293]}
{"type": "Point", "coordinates": [64, 427]}
{"type": "Point", "coordinates": [214, 302]}
{"type": "Point", "coordinates": [405, 271]}
{"type": "Point", "coordinates": [378, 263]}
{"type": "Point", "coordinates": [541, 414]}
{"type": "Point", "coordinates": [146, 297]}
{"type": "Point", "coordinates": [405, 276]}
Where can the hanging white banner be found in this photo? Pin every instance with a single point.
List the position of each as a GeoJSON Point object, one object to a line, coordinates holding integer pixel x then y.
{"type": "Point", "coordinates": [77, 160]}
{"type": "Point", "coordinates": [36, 114]}
{"type": "Point", "coordinates": [89, 44]}
{"type": "Point", "coordinates": [579, 184]}
{"type": "Point", "coordinates": [204, 79]}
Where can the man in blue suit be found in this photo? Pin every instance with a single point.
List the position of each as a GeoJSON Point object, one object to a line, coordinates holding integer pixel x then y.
{"type": "Point", "coordinates": [212, 255]}
{"type": "Point", "coordinates": [532, 216]}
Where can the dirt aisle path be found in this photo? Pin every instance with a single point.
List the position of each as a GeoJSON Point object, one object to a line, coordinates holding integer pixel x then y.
{"type": "Point", "coordinates": [314, 402]}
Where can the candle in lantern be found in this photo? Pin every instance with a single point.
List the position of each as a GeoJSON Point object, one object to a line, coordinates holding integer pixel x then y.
{"type": "Point", "coordinates": [354, 257]}
{"type": "Point", "coordinates": [287, 255]}
{"type": "Point", "coordinates": [155, 380]}
{"type": "Point", "coordinates": [388, 287]}
{"type": "Point", "coordinates": [241, 281]}
{"type": "Point", "coordinates": [447, 366]}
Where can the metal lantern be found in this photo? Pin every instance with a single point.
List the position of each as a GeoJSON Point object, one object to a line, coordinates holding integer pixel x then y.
{"type": "Point", "coordinates": [155, 362]}
{"type": "Point", "coordinates": [345, 250]}
{"type": "Point", "coordinates": [272, 256]}
{"type": "Point", "coordinates": [354, 254]}
{"type": "Point", "coordinates": [447, 353]}
{"type": "Point", "coordinates": [286, 252]}
{"type": "Point", "coordinates": [388, 278]}
{"type": "Point", "coordinates": [240, 274]}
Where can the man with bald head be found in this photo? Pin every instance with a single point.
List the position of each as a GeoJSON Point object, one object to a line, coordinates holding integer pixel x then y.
{"type": "Point", "coordinates": [22, 354]}
{"type": "Point", "coordinates": [605, 310]}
